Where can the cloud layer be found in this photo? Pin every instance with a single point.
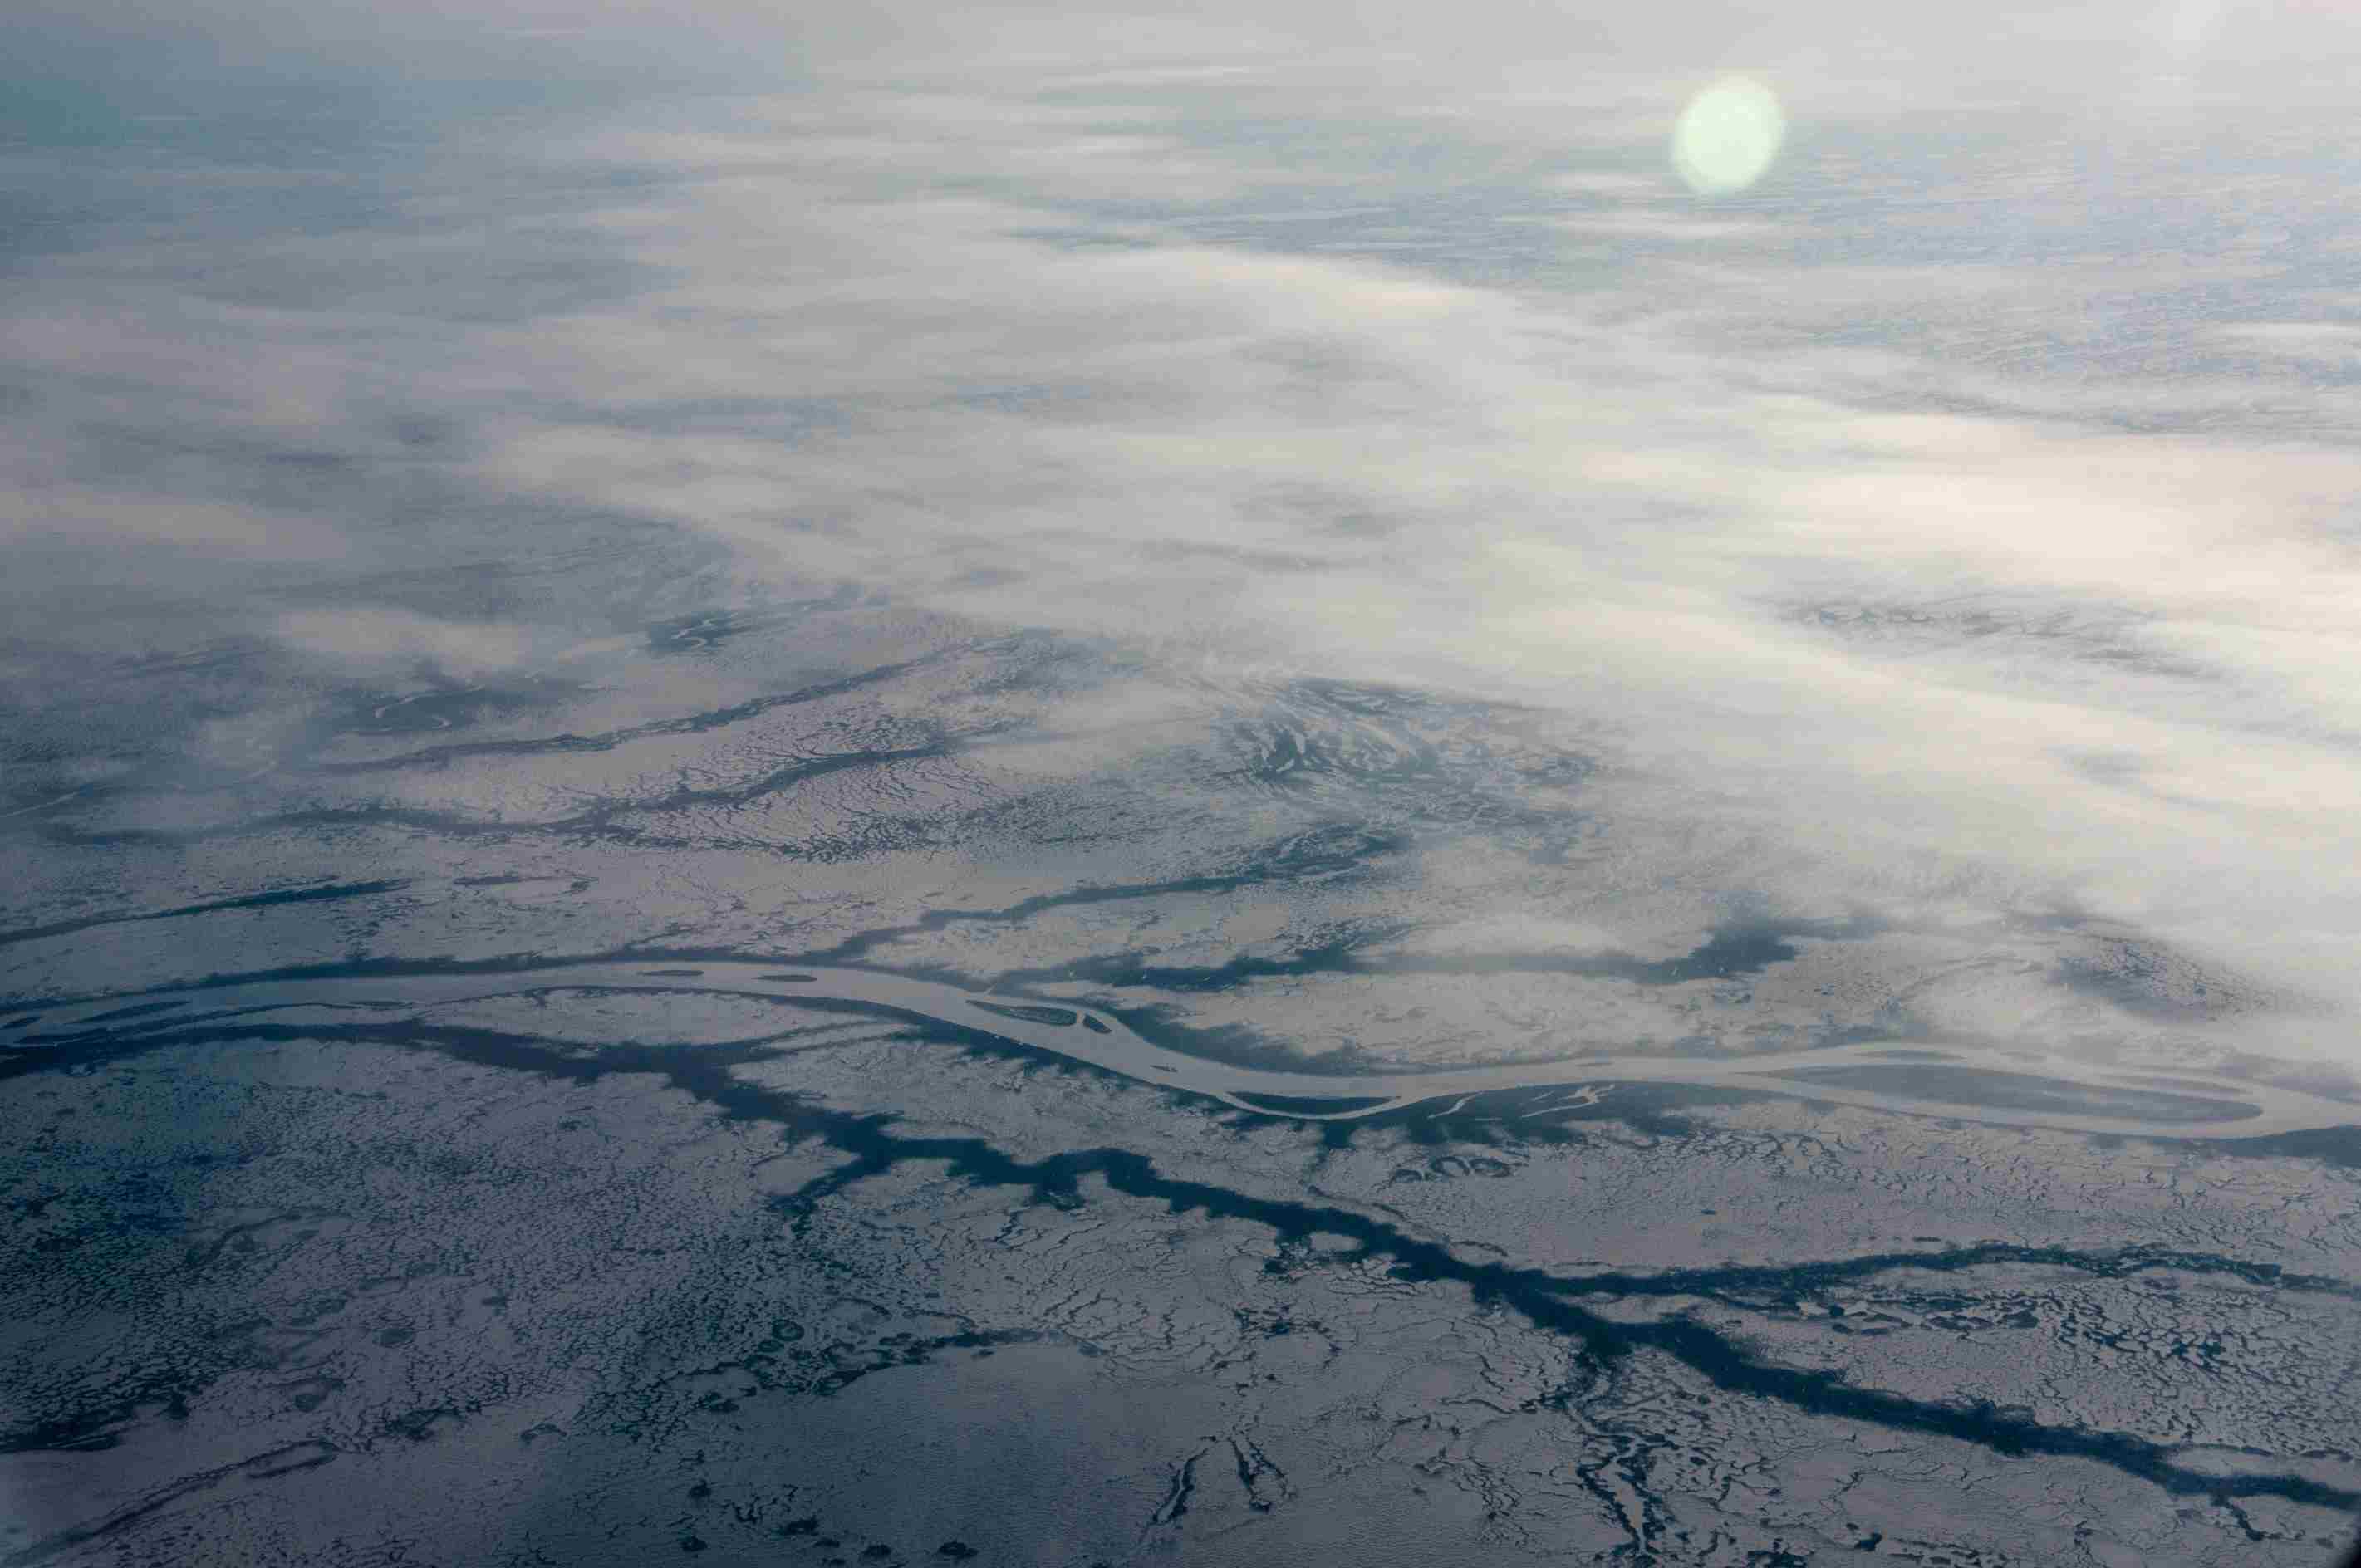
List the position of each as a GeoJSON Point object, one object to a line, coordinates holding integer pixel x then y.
{"type": "Point", "coordinates": [1969, 495]}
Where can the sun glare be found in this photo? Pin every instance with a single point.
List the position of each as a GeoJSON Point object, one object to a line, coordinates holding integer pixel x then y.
{"type": "Point", "coordinates": [1727, 136]}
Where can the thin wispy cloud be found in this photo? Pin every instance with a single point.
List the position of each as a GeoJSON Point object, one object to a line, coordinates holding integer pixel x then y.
{"type": "Point", "coordinates": [1886, 547]}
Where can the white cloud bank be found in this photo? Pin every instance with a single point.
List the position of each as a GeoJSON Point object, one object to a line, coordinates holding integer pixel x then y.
{"type": "Point", "coordinates": [1602, 499]}
{"type": "Point", "coordinates": [1882, 554]}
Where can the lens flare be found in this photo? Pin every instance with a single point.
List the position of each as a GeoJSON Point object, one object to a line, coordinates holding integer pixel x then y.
{"type": "Point", "coordinates": [1727, 136]}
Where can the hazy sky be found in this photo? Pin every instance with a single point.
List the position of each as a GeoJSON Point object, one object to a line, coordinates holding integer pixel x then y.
{"type": "Point", "coordinates": [1962, 510]}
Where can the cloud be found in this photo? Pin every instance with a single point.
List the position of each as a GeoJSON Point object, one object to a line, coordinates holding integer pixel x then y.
{"type": "Point", "coordinates": [1022, 351]}
{"type": "Point", "coordinates": [1871, 57]}
{"type": "Point", "coordinates": [371, 640]}
{"type": "Point", "coordinates": [2336, 343]}
{"type": "Point", "coordinates": [1602, 500]}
